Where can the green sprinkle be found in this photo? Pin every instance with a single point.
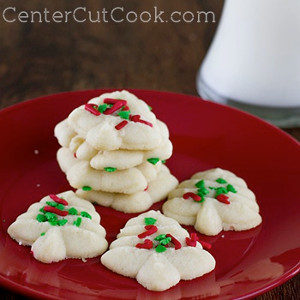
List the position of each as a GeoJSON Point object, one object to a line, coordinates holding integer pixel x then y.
{"type": "Point", "coordinates": [160, 237]}
{"type": "Point", "coordinates": [221, 180]}
{"type": "Point", "coordinates": [102, 108]}
{"type": "Point", "coordinates": [85, 215]}
{"type": "Point", "coordinates": [86, 188]}
{"type": "Point", "coordinates": [150, 108]}
{"type": "Point", "coordinates": [73, 211]}
{"type": "Point", "coordinates": [62, 222]}
{"type": "Point", "coordinates": [57, 205]}
{"type": "Point", "coordinates": [77, 222]}
{"type": "Point", "coordinates": [163, 161]}
{"type": "Point", "coordinates": [43, 233]}
{"type": "Point", "coordinates": [153, 160]}
{"type": "Point", "coordinates": [212, 188]}
{"type": "Point", "coordinates": [200, 184]}
{"type": "Point", "coordinates": [51, 216]}
{"type": "Point", "coordinates": [221, 190]}
{"type": "Point", "coordinates": [53, 222]}
{"type": "Point", "coordinates": [110, 169]}
{"type": "Point", "coordinates": [202, 192]}
{"type": "Point", "coordinates": [160, 248]}
{"type": "Point", "coordinates": [41, 218]}
{"type": "Point", "coordinates": [230, 188]}
{"type": "Point", "coordinates": [202, 199]}
{"type": "Point", "coordinates": [165, 241]}
{"type": "Point", "coordinates": [149, 221]}
{"type": "Point", "coordinates": [124, 114]}
{"type": "Point", "coordinates": [42, 210]}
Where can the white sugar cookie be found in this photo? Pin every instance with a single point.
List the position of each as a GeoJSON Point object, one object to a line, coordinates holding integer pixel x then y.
{"type": "Point", "coordinates": [120, 159]}
{"type": "Point", "coordinates": [60, 226]}
{"type": "Point", "coordinates": [80, 174]}
{"type": "Point", "coordinates": [157, 190]}
{"type": "Point", "coordinates": [128, 124]}
{"type": "Point", "coordinates": [158, 252]}
{"type": "Point", "coordinates": [213, 201]}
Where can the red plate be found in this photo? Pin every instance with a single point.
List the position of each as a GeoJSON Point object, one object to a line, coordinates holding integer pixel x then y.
{"type": "Point", "coordinates": [204, 135]}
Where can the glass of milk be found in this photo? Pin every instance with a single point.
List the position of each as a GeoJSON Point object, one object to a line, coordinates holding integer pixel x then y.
{"type": "Point", "coordinates": [253, 62]}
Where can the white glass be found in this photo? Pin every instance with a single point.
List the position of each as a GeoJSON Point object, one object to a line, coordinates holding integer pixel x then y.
{"type": "Point", "coordinates": [253, 62]}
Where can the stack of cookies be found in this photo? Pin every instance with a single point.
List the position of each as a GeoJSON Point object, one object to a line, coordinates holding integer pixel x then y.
{"type": "Point", "coordinates": [113, 152]}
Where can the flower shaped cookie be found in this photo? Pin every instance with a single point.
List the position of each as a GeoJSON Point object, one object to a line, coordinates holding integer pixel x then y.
{"type": "Point", "coordinates": [113, 121]}
{"type": "Point", "coordinates": [158, 252]}
{"type": "Point", "coordinates": [60, 226]}
{"type": "Point", "coordinates": [156, 190]}
{"type": "Point", "coordinates": [80, 174]}
{"type": "Point", "coordinates": [119, 159]}
{"type": "Point", "coordinates": [213, 201]}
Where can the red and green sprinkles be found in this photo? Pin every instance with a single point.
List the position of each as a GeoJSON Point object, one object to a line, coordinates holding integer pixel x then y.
{"type": "Point", "coordinates": [220, 191]}
{"type": "Point", "coordinates": [54, 209]}
{"type": "Point", "coordinates": [163, 241]}
{"type": "Point", "coordinates": [119, 106]}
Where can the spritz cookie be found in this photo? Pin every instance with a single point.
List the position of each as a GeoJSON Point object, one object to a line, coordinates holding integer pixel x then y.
{"type": "Point", "coordinates": [212, 201]}
{"type": "Point", "coordinates": [80, 174]}
{"type": "Point", "coordinates": [59, 227]}
{"type": "Point", "coordinates": [112, 121]}
{"type": "Point", "coordinates": [158, 252]}
{"type": "Point", "coordinates": [155, 191]}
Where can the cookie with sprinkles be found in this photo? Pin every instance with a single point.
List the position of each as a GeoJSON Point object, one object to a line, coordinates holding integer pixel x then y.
{"type": "Point", "coordinates": [60, 226]}
{"type": "Point", "coordinates": [120, 159]}
{"type": "Point", "coordinates": [80, 173]}
{"type": "Point", "coordinates": [112, 121]}
{"type": "Point", "coordinates": [156, 190]}
{"type": "Point", "coordinates": [212, 201]}
{"type": "Point", "coordinates": [158, 252]}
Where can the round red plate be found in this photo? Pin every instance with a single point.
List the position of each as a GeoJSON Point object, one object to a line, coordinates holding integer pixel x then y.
{"type": "Point", "coordinates": [204, 135]}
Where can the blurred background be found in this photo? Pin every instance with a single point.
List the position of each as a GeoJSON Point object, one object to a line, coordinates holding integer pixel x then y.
{"type": "Point", "coordinates": [43, 58]}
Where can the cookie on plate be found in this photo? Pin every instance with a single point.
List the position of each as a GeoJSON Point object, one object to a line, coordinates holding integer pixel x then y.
{"type": "Point", "coordinates": [212, 201]}
{"type": "Point", "coordinates": [158, 252]}
{"type": "Point", "coordinates": [59, 227]}
{"type": "Point", "coordinates": [156, 190]}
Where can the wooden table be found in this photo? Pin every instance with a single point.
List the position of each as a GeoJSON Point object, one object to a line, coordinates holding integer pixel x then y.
{"type": "Point", "coordinates": [44, 58]}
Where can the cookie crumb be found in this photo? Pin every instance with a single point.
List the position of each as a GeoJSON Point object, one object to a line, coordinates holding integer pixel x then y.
{"type": "Point", "coordinates": [36, 152]}
{"type": "Point", "coordinates": [222, 236]}
{"type": "Point", "coordinates": [38, 185]}
{"type": "Point", "coordinates": [84, 260]}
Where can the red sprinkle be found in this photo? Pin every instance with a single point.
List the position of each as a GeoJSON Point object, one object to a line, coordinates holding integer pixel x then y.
{"type": "Point", "coordinates": [114, 101]}
{"type": "Point", "coordinates": [146, 188]}
{"type": "Point", "coordinates": [137, 119]}
{"type": "Point", "coordinates": [117, 104]}
{"type": "Point", "coordinates": [205, 245]}
{"type": "Point", "coordinates": [191, 195]}
{"type": "Point", "coordinates": [223, 198]}
{"type": "Point", "coordinates": [192, 241]}
{"type": "Point", "coordinates": [150, 230]}
{"type": "Point", "coordinates": [58, 200]}
{"type": "Point", "coordinates": [92, 109]}
{"type": "Point", "coordinates": [75, 155]}
{"type": "Point", "coordinates": [148, 244]}
{"type": "Point", "coordinates": [176, 243]}
{"type": "Point", "coordinates": [125, 108]}
{"type": "Point", "coordinates": [55, 210]}
{"type": "Point", "coordinates": [121, 125]}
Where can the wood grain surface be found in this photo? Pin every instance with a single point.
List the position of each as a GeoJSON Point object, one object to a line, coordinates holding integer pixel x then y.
{"type": "Point", "coordinates": [44, 58]}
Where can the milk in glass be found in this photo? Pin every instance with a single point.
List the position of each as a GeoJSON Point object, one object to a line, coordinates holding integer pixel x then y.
{"type": "Point", "coordinates": [254, 60]}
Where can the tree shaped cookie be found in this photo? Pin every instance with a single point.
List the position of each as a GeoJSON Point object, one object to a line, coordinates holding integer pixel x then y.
{"type": "Point", "coordinates": [156, 190]}
{"type": "Point", "coordinates": [158, 252]}
{"type": "Point", "coordinates": [213, 201]}
{"type": "Point", "coordinates": [113, 121]}
{"type": "Point", "coordinates": [60, 226]}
